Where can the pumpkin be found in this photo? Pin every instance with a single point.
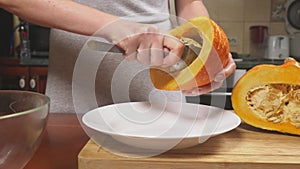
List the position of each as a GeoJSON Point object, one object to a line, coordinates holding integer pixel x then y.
{"type": "Point", "coordinates": [211, 59]}
{"type": "Point", "coordinates": [268, 97]}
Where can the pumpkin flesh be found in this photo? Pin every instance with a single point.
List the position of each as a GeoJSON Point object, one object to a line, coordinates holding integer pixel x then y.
{"type": "Point", "coordinates": [215, 49]}
{"type": "Point", "coordinates": [268, 97]}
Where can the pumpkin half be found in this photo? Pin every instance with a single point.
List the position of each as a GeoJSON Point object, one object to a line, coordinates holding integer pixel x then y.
{"type": "Point", "coordinates": [268, 97]}
{"type": "Point", "coordinates": [211, 59]}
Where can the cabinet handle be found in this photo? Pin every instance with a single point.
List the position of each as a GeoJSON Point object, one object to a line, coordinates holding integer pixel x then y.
{"type": "Point", "coordinates": [22, 82]}
{"type": "Point", "coordinates": [32, 83]}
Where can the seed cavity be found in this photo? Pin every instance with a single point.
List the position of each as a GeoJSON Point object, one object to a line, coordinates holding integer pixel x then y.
{"type": "Point", "coordinates": [276, 103]}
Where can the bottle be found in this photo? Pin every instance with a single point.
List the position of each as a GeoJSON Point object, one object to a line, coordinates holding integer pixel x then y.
{"type": "Point", "coordinates": [258, 42]}
{"type": "Point", "coordinates": [24, 41]}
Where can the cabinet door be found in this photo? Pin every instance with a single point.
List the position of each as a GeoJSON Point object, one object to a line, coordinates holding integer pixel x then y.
{"type": "Point", "coordinates": [38, 79]}
{"type": "Point", "coordinates": [14, 77]}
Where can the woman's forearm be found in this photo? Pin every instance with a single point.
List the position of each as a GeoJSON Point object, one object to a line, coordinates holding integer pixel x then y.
{"type": "Point", "coordinates": [187, 9]}
{"type": "Point", "coordinates": [62, 14]}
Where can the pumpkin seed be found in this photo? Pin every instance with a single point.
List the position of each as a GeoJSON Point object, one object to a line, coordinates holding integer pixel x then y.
{"type": "Point", "coordinates": [276, 102]}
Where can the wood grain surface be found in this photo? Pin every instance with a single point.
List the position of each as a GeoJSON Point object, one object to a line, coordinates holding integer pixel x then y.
{"type": "Point", "coordinates": [242, 148]}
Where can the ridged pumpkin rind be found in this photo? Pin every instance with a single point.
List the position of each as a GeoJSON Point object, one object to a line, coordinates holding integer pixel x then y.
{"type": "Point", "coordinates": [212, 58]}
{"type": "Point", "coordinates": [287, 73]}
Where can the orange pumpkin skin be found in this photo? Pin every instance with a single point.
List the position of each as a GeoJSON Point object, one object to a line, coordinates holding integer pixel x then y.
{"type": "Point", "coordinates": [216, 61]}
{"type": "Point", "coordinates": [268, 97]}
{"type": "Point", "coordinates": [211, 63]}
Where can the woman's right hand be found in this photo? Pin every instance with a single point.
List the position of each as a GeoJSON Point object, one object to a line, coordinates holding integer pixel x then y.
{"type": "Point", "coordinates": [144, 43]}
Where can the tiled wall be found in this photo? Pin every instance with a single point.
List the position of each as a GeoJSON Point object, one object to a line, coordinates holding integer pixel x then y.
{"type": "Point", "coordinates": [236, 17]}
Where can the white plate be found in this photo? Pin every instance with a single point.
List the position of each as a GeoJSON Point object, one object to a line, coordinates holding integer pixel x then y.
{"type": "Point", "coordinates": [159, 127]}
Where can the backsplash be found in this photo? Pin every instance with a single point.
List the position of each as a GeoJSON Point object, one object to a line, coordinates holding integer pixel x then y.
{"type": "Point", "coordinates": [237, 16]}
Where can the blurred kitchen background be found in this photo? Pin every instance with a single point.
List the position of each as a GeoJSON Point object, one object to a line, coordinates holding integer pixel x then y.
{"type": "Point", "coordinates": [237, 16]}
{"type": "Point", "coordinates": [259, 31]}
{"type": "Point", "coordinates": [24, 53]}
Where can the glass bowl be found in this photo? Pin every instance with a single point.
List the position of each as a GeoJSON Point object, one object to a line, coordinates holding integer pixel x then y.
{"type": "Point", "coordinates": [23, 117]}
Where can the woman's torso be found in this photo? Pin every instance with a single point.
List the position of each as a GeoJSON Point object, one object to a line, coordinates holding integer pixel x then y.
{"type": "Point", "coordinates": [65, 47]}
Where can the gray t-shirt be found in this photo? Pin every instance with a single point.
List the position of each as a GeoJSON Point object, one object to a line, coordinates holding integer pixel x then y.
{"type": "Point", "coordinates": [114, 79]}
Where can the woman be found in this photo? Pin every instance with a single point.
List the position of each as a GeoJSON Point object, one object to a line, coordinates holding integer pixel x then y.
{"type": "Point", "coordinates": [135, 34]}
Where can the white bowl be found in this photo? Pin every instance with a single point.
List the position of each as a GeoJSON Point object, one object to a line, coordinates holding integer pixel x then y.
{"type": "Point", "coordinates": [155, 126]}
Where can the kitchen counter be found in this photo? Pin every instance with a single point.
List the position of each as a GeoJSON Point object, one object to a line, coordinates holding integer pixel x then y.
{"type": "Point", "coordinates": [35, 62]}
{"type": "Point", "coordinates": [244, 61]}
{"type": "Point", "coordinates": [12, 61]}
{"type": "Point", "coordinates": [248, 64]}
{"type": "Point", "coordinates": [64, 143]}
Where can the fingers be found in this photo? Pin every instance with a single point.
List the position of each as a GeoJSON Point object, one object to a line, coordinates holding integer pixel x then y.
{"type": "Point", "coordinates": [175, 48]}
{"type": "Point", "coordinates": [148, 46]}
{"type": "Point", "coordinates": [130, 48]}
{"type": "Point", "coordinates": [143, 42]}
{"type": "Point", "coordinates": [157, 52]}
{"type": "Point", "coordinates": [150, 52]}
{"type": "Point", "coordinates": [154, 46]}
{"type": "Point", "coordinates": [143, 53]}
{"type": "Point", "coordinates": [203, 89]}
{"type": "Point", "coordinates": [228, 70]}
{"type": "Point", "coordinates": [218, 80]}
{"type": "Point", "coordinates": [231, 66]}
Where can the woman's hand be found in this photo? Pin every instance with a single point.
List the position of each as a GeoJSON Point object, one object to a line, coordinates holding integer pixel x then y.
{"type": "Point", "coordinates": [144, 43]}
{"type": "Point", "coordinates": [218, 80]}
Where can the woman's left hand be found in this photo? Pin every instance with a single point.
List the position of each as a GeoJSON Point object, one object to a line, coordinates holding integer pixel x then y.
{"type": "Point", "coordinates": [216, 83]}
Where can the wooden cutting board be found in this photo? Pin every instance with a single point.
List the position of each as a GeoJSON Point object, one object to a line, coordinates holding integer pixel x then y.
{"type": "Point", "coordinates": [242, 148]}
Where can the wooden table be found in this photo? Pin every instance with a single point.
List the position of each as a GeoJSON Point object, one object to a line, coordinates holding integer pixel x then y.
{"type": "Point", "coordinates": [62, 141]}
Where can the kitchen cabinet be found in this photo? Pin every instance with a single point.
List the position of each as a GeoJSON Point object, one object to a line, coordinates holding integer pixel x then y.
{"type": "Point", "coordinates": [14, 76]}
